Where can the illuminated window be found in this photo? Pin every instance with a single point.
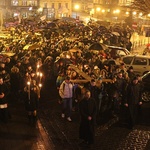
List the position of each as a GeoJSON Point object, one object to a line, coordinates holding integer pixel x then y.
{"type": "Point", "coordinates": [14, 2]}
{"type": "Point", "coordinates": [59, 5]}
{"type": "Point", "coordinates": [24, 3]}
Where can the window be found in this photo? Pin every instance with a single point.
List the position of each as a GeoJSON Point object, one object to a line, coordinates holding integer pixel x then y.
{"type": "Point", "coordinates": [24, 3]}
{"type": "Point", "coordinates": [59, 5]}
{"type": "Point", "coordinates": [53, 5]}
{"type": "Point", "coordinates": [140, 61]}
{"type": "Point", "coordinates": [121, 53]}
{"type": "Point", "coordinates": [146, 78]}
{"type": "Point", "coordinates": [66, 5]}
{"type": "Point", "coordinates": [127, 60]}
{"type": "Point", "coordinates": [14, 3]}
{"type": "Point", "coordinates": [45, 5]}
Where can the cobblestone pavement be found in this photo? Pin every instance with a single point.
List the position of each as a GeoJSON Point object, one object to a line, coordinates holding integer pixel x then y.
{"type": "Point", "coordinates": [110, 134]}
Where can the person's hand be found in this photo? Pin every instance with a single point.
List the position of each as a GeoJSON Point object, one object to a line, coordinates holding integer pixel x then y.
{"type": "Point", "coordinates": [2, 95]}
{"type": "Point", "coordinates": [126, 104]}
{"type": "Point", "coordinates": [89, 118]}
{"type": "Point", "coordinates": [140, 103]}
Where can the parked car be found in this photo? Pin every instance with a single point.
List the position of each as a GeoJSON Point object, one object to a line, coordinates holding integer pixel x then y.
{"type": "Point", "coordinates": [146, 87]}
{"type": "Point", "coordinates": [140, 63]}
{"type": "Point", "coordinates": [117, 52]}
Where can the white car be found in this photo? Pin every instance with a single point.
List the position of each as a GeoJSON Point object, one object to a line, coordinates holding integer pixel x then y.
{"type": "Point", "coordinates": [140, 63]}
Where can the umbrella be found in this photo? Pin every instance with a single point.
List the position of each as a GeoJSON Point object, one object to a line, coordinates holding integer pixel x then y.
{"type": "Point", "coordinates": [74, 50]}
{"type": "Point", "coordinates": [7, 54]}
{"type": "Point", "coordinates": [31, 46]}
{"type": "Point", "coordinates": [65, 54]}
{"type": "Point", "coordinates": [52, 25]}
{"type": "Point", "coordinates": [116, 33]}
{"type": "Point", "coordinates": [68, 19]}
{"type": "Point", "coordinates": [97, 46]}
{"type": "Point", "coordinates": [64, 60]}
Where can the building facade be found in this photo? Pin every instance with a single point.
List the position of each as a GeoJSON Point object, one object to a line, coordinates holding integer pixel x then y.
{"type": "Point", "coordinates": [56, 8]}
{"type": "Point", "coordinates": [24, 8]}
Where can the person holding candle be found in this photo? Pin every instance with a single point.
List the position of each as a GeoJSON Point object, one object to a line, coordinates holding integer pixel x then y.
{"type": "Point", "coordinates": [32, 96]}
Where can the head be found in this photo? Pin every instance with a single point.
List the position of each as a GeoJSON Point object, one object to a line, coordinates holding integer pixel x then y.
{"type": "Point", "coordinates": [93, 82]}
{"type": "Point", "coordinates": [1, 80]}
{"type": "Point", "coordinates": [135, 80]}
{"type": "Point", "coordinates": [67, 79]}
{"type": "Point", "coordinates": [131, 69]}
{"type": "Point", "coordinates": [87, 94]}
{"type": "Point", "coordinates": [120, 75]}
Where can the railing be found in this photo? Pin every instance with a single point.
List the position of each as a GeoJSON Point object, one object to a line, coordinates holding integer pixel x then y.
{"type": "Point", "coordinates": [139, 43]}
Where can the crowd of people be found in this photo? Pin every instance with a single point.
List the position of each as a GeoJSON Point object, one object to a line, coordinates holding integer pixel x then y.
{"type": "Point", "coordinates": [48, 59]}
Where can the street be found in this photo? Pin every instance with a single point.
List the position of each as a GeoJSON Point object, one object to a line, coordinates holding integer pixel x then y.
{"type": "Point", "coordinates": [110, 133]}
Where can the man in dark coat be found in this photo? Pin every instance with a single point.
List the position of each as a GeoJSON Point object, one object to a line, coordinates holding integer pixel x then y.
{"type": "Point", "coordinates": [133, 100]}
{"type": "Point", "coordinates": [87, 109]}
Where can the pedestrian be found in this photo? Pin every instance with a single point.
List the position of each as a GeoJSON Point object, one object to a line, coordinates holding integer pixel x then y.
{"type": "Point", "coordinates": [131, 73]}
{"type": "Point", "coordinates": [66, 93]}
{"type": "Point", "coordinates": [133, 101]}
{"type": "Point", "coordinates": [87, 109]}
{"type": "Point", "coordinates": [4, 92]}
{"type": "Point", "coordinates": [60, 78]}
{"type": "Point", "coordinates": [31, 98]}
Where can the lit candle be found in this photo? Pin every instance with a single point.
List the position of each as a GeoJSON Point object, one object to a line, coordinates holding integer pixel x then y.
{"type": "Point", "coordinates": [37, 73]}
{"type": "Point", "coordinates": [41, 76]}
{"type": "Point", "coordinates": [28, 83]}
{"type": "Point", "coordinates": [38, 66]}
{"type": "Point", "coordinates": [40, 85]}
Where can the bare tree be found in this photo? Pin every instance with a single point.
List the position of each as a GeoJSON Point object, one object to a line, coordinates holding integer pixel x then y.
{"type": "Point", "coordinates": [142, 6]}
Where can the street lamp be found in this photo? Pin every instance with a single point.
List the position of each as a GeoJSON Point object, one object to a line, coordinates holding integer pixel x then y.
{"type": "Point", "coordinates": [76, 8]}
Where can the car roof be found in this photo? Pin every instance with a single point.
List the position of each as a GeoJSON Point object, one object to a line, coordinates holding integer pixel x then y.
{"type": "Point", "coordinates": [141, 56]}
{"type": "Point", "coordinates": [116, 47]}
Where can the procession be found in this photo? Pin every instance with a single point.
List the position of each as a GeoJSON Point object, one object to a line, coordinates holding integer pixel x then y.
{"type": "Point", "coordinates": [74, 59]}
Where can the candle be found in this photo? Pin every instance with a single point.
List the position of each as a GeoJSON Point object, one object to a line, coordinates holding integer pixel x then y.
{"type": "Point", "coordinates": [38, 66]}
{"type": "Point", "coordinates": [28, 83]}
{"type": "Point", "coordinates": [41, 76]}
{"type": "Point", "coordinates": [37, 73]}
{"type": "Point", "coordinates": [40, 85]}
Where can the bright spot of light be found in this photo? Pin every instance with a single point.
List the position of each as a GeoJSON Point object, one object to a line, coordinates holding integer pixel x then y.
{"type": "Point", "coordinates": [30, 8]}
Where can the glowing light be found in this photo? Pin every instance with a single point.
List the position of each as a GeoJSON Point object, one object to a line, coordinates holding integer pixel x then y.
{"type": "Point", "coordinates": [76, 6]}
{"type": "Point", "coordinates": [140, 14]}
{"type": "Point", "coordinates": [127, 13]}
{"type": "Point", "coordinates": [98, 9]}
{"type": "Point", "coordinates": [134, 13]}
{"type": "Point", "coordinates": [103, 10]}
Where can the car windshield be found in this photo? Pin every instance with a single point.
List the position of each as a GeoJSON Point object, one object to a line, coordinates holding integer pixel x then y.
{"type": "Point", "coordinates": [127, 60]}
{"type": "Point", "coordinates": [147, 75]}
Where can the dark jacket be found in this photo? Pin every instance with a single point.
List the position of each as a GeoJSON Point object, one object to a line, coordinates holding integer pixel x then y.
{"type": "Point", "coordinates": [86, 130]}
{"type": "Point", "coordinates": [133, 94]}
